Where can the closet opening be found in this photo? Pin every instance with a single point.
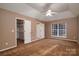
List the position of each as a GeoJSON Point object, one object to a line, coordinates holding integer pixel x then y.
{"type": "Point", "coordinates": [20, 32]}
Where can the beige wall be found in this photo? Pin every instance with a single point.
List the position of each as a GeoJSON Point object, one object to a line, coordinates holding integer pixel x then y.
{"type": "Point", "coordinates": [78, 28]}
{"type": "Point", "coordinates": [71, 28]}
{"type": "Point", "coordinates": [7, 23]}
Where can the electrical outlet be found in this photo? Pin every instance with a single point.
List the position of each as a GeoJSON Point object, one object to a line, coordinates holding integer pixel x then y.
{"type": "Point", "coordinates": [6, 43]}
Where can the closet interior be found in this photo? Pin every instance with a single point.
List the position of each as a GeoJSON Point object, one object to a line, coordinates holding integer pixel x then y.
{"type": "Point", "coordinates": [20, 31]}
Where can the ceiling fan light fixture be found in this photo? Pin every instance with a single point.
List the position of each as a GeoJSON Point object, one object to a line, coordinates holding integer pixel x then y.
{"type": "Point", "coordinates": [49, 13]}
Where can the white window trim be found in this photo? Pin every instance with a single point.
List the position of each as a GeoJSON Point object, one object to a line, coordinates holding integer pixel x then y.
{"type": "Point", "coordinates": [65, 36]}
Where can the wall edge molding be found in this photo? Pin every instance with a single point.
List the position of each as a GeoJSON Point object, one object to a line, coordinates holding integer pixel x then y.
{"type": "Point", "coordinates": [8, 48]}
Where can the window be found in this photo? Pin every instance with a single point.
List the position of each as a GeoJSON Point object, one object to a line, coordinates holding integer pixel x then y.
{"type": "Point", "coordinates": [59, 30]}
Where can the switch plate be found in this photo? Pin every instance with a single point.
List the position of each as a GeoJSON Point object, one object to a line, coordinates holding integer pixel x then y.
{"type": "Point", "coordinates": [12, 30]}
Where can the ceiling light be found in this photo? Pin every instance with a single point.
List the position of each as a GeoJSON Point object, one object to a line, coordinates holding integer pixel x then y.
{"type": "Point", "coordinates": [49, 13]}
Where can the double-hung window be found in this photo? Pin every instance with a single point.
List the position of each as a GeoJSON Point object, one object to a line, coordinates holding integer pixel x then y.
{"type": "Point", "coordinates": [59, 30]}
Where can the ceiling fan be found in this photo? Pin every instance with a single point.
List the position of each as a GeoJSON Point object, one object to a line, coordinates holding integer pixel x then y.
{"type": "Point", "coordinates": [50, 13]}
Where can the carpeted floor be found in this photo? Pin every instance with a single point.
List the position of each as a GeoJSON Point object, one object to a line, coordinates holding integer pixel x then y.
{"type": "Point", "coordinates": [44, 47]}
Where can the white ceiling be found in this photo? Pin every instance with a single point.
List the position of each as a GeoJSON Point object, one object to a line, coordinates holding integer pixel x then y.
{"type": "Point", "coordinates": [46, 6]}
{"type": "Point", "coordinates": [38, 10]}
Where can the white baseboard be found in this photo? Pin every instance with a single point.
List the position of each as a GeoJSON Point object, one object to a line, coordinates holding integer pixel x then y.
{"type": "Point", "coordinates": [8, 48]}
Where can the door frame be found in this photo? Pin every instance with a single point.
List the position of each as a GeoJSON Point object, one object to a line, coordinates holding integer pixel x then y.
{"type": "Point", "coordinates": [16, 28]}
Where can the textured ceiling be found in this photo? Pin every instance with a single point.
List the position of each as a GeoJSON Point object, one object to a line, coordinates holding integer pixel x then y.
{"type": "Point", "coordinates": [38, 10]}
{"type": "Point", "coordinates": [52, 6]}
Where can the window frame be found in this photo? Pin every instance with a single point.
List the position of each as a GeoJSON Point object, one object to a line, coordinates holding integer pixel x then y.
{"type": "Point", "coordinates": [64, 36]}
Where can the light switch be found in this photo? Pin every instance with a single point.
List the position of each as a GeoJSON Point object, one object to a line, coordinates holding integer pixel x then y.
{"type": "Point", "coordinates": [12, 30]}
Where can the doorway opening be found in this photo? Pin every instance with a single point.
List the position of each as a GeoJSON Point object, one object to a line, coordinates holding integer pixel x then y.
{"type": "Point", "coordinates": [20, 32]}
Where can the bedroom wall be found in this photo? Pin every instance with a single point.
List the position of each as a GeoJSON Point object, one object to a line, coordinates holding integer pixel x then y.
{"type": "Point", "coordinates": [71, 28]}
{"type": "Point", "coordinates": [7, 28]}
{"type": "Point", "coordinates": [78, 28]}
{"type": "Point", "coordinates": [7, 23]}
